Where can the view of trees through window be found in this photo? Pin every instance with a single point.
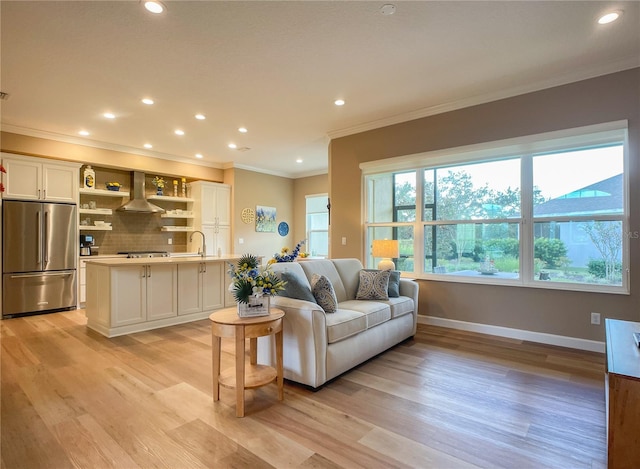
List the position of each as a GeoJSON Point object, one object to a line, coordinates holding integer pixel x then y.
{"type": "Point", "coordinates": [475, 219]}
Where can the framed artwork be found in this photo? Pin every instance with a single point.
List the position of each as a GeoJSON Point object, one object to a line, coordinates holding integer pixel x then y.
{"type": "Point", "coordinates": [265, 219]}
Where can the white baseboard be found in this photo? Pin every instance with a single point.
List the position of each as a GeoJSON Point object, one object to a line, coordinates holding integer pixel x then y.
{"type": "Point", "coordinates": [540, 337]}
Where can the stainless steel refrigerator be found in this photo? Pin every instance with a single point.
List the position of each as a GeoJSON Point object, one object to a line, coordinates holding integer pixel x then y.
{"type": "Point", "coordinates": [38, 257]}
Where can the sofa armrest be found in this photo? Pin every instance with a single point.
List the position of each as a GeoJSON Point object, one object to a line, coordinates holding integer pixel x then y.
{"type": "Point", "coordinates": [304, 342]}
{"type": "Point", "coordinates": [410, 288]}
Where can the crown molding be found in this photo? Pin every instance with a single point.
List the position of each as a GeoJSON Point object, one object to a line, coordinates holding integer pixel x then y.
{"type": "Point", "coordinates": [274, 173]}
{"type": "Point", "coordinates": [151, 154]}
{"type": "Point", "coordinates": [571, 77]}
{"type": "Point", "coordinates": [83, 141]}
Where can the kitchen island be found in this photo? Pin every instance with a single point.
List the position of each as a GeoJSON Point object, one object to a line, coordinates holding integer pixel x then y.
{"type": "Point", "coordinates": [132, 295]}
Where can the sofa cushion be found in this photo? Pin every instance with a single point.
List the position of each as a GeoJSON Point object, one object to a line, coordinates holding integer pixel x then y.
{"type": "Point", "coordinates": [296, 287]}
{"type": "Point", "coordinates": [325, 267]}
{"type": "Point", "coordinates": [374, 285]}
{"type": "Point", "coordinates": [344, 323]}
{"type": "Point", "coordinates": [348, 270]}
{"type": "Point", "coordinates": [323, 293]}
{"type": "Point", "coordinates": [376, 312]}
{"type": "Point", "coordinates": [400, 306]}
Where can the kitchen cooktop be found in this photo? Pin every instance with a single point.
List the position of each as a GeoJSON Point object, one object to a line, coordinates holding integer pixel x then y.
{"type": "Point", "coordinates": [139, 254]}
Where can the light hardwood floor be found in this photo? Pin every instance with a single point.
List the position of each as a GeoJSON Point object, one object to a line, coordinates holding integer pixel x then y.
{"type": "Point", "coordinates": [445, 399]}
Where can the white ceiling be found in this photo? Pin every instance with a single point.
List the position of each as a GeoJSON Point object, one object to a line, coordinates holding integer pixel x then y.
{"type": "Point", "coordinates": [276, 68]}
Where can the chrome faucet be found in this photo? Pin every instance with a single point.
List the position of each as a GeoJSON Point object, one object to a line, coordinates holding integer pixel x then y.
{"type": "Point", "coordinates": [202, 252]}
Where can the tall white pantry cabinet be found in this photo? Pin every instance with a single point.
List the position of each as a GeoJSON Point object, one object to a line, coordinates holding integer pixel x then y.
{"type": "Point", "coordinates": [212, 216]}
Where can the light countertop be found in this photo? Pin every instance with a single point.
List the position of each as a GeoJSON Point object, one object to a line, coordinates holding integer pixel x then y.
{"type": "Point", "coordinates": [123, 261]}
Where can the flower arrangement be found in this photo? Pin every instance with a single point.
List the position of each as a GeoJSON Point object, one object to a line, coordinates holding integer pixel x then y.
{"type": "Point", "coordinates": [158, 182]}
{"type": "Point", "coordinates": [284, 255]}
{"type": "Point", "coordinates": [249, 279]}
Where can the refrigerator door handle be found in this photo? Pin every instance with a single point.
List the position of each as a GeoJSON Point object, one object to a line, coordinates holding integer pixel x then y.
{"type": "Point", "coordinates": [38, 240]}
{"type": "Point", "coordinates": [46, 237]}
{"type": "Point", "coordinates": [43, 274]}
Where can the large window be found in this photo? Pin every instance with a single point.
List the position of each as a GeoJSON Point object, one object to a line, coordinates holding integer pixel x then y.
{"type": "Point", "coordinates": [546, 211]}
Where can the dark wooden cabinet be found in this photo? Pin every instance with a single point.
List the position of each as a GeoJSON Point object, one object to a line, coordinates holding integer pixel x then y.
{"type": "Point", "coordinates": [623, 395]}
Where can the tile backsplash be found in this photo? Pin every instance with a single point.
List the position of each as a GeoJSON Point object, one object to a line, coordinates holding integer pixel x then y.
{"type": "Point", "coordinates": [132, 231]}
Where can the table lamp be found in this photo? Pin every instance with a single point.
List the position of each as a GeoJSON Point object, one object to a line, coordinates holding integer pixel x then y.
{"type": "Point", "coordinates": [387, 249]}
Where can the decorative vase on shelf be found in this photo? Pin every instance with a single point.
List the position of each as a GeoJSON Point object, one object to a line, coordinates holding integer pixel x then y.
{"type": "Point", "coordinates": [159, 191]}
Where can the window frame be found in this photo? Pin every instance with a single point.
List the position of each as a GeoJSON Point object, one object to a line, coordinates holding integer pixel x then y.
{"type": "Point", "coordinates": [523, 148]}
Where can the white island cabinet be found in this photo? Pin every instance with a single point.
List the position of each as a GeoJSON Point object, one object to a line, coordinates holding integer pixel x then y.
{"type": "Point", "coordinates": [143, 293]}
{"type": "Point", "coordinates": [133, 295]}
{"type": "Point", "coordinates": [200, 287]}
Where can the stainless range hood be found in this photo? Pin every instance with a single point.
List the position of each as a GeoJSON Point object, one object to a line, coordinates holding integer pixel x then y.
{"type": "Point", "coordinates": [138, 202]}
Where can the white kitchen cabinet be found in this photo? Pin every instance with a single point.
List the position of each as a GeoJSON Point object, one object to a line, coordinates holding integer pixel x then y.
{"type": "Point", "coordinates": [217, 236]}
{"type": "Point", "coordinates": [200, 287]}
{"type": "Point", "coordinates": [212, 202]}
{"type": "Point", "coordinates": [212, 216]}
{"type": "Point", "coordinates": [82, 276]}
{"type": "Point", "coordinates": [132, 295]}
{"type": "Point", "coordinates": [143, 293]}
{"type": "Point", "coordinates": [30, 178]}
{"type": "Point", "coordinates": [82, 283]}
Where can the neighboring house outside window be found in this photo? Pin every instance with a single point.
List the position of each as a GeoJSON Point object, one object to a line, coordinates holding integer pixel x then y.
{"type": "Point", "coordinates": [546, 211]}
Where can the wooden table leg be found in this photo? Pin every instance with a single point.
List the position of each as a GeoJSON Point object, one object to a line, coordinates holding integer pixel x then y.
{"type": "Point", "coordinates": [279, 366]}
{"type": "Point", "coordinates": [253, 350]}
{"type": "Point", "coordinates": [239, 371]}
{"type": "Point", "coordinates": [215, 358]}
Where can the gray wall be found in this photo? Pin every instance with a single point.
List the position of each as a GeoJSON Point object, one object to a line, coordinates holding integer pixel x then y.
{"type": "Point", "coordinates": [603, 99]}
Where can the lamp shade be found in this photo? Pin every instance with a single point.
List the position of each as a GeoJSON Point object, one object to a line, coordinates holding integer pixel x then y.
{"type": "Point", "coordinates": [387, 249]}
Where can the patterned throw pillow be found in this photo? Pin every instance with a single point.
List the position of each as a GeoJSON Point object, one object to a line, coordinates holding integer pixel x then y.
{"type": "Point", "coordinates": [323, 292]}
{"type": "Point", "coordinates": [374, 285]}
{"type": "Point", "coordinates": [394, 282]}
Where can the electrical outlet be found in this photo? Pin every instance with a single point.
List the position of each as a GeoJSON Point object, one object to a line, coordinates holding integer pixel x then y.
{"type": "Point", "coordinates": [344, 240]}
{"type": "Point", "coordinates": [170, 240]}
{"type": "Point", "coordinates": [595, 318]}
{"type": "Point", "coordinates": [240, 240]}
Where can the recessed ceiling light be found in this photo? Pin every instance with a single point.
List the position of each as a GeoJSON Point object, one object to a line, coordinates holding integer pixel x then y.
{"type": "Point", "coordinates": [84, 133]}
{"type": "Point", "coordinates": [233, 146]}
{"type": "Point", "coordinates": [610, 17]}
{"type": "Point", "coordinates": [200, 117]}
{"type": "Point", "coordinates": [154, 6]}
{"type": "Point", "coordinates": [388, 9]}
{"type": "Point", "coordinates": [178, 132]}
{"type": "Point", "coordinates": [299, 160]}
{"type": "Point", "coordinates": [242, 130]}
{"type": "Point", "coordinates": [198, 155]}
{"type": "Point", "coordinates": [339, 102]}
{"type": "Point", "coordinates": [148, 101]}
{"type": "Point", "coordinates": [148, 145]}
{"type": "Point", "coordinates": [109, 115]}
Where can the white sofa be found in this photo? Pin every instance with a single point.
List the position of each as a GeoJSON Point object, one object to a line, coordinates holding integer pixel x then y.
{"type": "Point", "coordinates": [319, 346]}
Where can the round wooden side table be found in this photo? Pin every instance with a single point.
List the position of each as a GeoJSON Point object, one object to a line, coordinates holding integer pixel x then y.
{"type": "Point", "coordinates": [227, 323]}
